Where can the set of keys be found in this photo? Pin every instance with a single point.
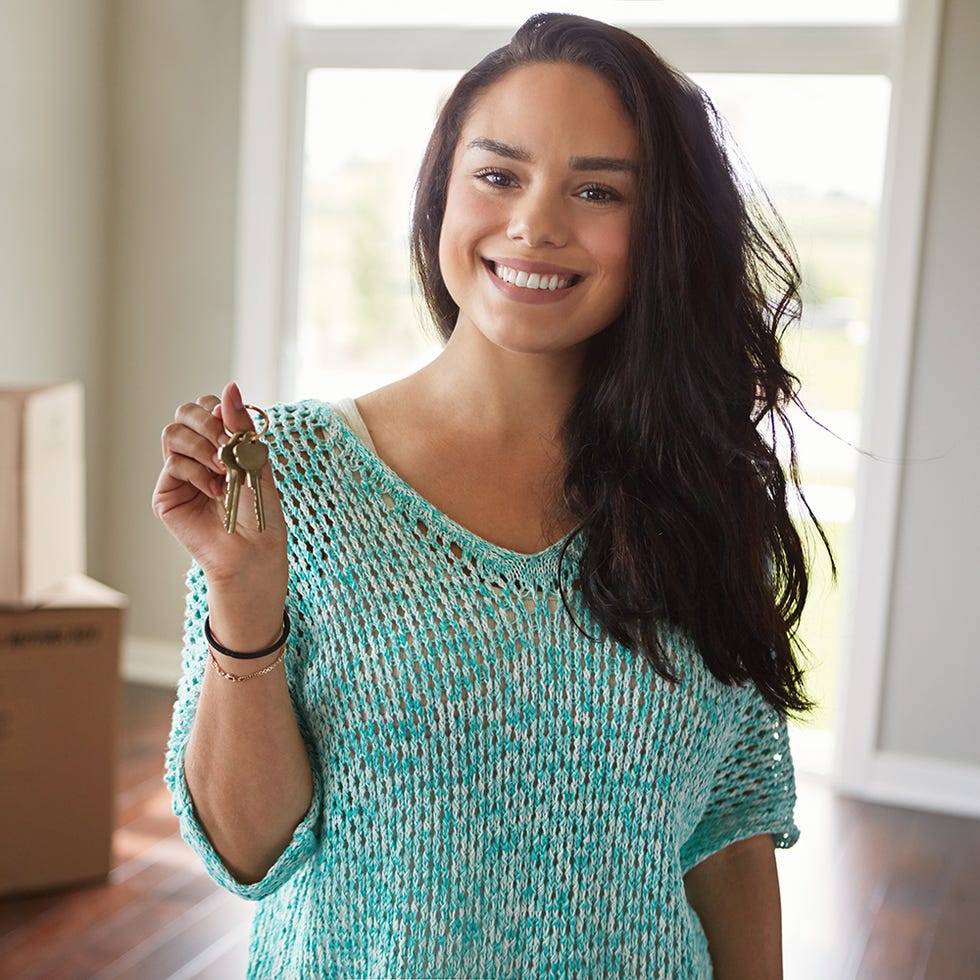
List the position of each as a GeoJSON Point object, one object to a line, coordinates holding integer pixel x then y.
{"type": "Point", "coordinates": [245, 456]}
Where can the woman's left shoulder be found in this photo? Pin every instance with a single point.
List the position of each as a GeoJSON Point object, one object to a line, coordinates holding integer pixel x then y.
{"type": "Point", "coordinates": [723, 703]}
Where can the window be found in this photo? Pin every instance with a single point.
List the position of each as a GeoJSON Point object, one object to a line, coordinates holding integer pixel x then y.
{"type": "Point", "coordinates": [357, 326]}
{"type": "Point", "coordinates": [823, 168]}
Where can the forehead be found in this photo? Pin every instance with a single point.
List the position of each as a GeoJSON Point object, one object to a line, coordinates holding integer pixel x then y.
{"type": "Point", "coordinates": [561, 107]}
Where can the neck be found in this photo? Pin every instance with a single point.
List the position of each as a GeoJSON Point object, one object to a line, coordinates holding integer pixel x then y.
{"type": "Point", "coordinates": [498, 394]}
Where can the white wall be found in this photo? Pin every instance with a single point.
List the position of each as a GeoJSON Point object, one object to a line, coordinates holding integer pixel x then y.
{"type": "Point", "coordinates": [53, 211]}
{"type": "Point", "coordinates": [932, 671]}
{"type": "Point", "coordinates": [174, 91]}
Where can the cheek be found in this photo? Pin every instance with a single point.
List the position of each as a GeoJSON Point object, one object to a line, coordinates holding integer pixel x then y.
{"type": "Point", "coordinates": [605, 237]}
{"type": "Point", "coordinates": [469, 215]}
{"type": "Point", "coordinates": [611, 247]}
{"type": "Point", "coordinates": [468, 221]}
{"type": "Point", "coordinates": [617, 246]}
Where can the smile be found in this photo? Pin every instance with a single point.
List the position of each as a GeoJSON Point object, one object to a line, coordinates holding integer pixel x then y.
{"type": "Point", "coordinates": [532, 280]}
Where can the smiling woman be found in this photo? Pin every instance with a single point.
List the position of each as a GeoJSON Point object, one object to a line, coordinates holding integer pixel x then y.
{"type": "Point", "coordinates": [527, 712]}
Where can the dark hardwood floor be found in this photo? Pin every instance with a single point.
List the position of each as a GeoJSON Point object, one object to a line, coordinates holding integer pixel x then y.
{"type": "Point", "coordinates": [870, 892]}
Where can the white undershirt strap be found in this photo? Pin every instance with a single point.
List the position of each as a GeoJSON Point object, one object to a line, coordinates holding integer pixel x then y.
{"type": "Point", "coordinates": [346, 408]}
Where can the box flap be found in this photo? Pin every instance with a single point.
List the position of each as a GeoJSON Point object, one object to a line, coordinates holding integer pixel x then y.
{"type": "Point", "coordinates": [53, 509]}
{"type": "Point", "coordinates": [21, 392]}
{"type": "Point", "coordinates": [73, 592]}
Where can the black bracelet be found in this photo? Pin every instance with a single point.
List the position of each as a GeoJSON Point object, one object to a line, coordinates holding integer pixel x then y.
{"type": "Point", "coordinates": [247, 656]}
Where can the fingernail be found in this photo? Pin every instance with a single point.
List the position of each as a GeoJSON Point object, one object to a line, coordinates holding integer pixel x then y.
{"type": "Point", "coordinates": [220, 462]}
{"type": "Point", "coordinates": [222, 441]}
{"type": "Point", "coordinates": [236, 397]}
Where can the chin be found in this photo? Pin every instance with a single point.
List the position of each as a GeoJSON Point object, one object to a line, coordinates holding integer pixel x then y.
{"type": "Point", "coordinates": [524, 342]}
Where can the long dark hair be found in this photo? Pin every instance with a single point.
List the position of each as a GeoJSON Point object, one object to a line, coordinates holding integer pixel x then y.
{"type": "Point", "coordinates": [671, 462]}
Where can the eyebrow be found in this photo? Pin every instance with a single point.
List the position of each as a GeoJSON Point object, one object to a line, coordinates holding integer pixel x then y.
{"type": "Point", "coordinates": [615, 164]}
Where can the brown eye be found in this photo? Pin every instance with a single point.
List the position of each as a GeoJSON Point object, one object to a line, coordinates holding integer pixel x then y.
{"type": "Point", "coordinates": [495, 178]}
{"type": "Point", "coordinates": [598, 194]}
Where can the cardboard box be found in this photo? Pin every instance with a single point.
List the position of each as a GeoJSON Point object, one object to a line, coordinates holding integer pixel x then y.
{"type": "Point", "coordinates": [42, 488]}
{"type": "Point", "coordinates": [59, 711]}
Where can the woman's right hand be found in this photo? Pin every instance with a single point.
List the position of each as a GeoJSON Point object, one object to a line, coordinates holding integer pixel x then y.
{"type": "Point", "coordinates": [189, 500]}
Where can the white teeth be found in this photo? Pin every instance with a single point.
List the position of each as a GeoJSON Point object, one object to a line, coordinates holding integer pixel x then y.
{"type": "Point", "coordinates": [533, 280]}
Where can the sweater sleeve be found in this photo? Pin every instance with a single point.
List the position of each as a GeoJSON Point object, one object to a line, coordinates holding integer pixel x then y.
{"type": "Point", "coordinates": [304, 840]}
{"type": "Point", "coordinates": [754, 788]}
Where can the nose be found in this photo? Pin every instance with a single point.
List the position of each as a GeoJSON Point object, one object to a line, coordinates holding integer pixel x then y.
{"type": "Point", "coordinates": [538, 220]}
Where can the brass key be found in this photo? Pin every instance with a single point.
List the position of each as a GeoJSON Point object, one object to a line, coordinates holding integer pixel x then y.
{"type": "Point", "coordinates": [251, 454]}
{"type": "Point", "coordinates": [234, 477]}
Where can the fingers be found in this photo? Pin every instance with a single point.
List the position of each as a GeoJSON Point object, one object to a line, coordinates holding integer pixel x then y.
{"type": "Point", "coordinates": [184, 470]}
{"type": "Point", "coordinates": [191, 447]}
{"type": "Point", "coordinates": [169, 494]}
{"type": "Point", "coordinates": [197, 418]}
{"type": "Point", "coordinates": [187, 455]}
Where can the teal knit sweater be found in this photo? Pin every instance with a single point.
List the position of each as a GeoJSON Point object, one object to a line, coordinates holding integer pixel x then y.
{"type": "Point", "coordinates": [495, 794]}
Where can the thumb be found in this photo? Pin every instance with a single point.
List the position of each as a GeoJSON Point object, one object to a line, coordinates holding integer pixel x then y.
{"type": "Point", "coordinates": [233, 413]}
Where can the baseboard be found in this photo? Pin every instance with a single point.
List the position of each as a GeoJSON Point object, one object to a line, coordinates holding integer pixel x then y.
{"type": "Point", "coordinates": [919, 782]}
{"type": "Point", "coordinates": [147, 661]}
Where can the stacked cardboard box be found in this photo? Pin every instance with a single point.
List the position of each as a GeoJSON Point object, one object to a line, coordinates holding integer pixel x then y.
{"type": "Point", "coordinates": [60, 637]}
{"type": "Point", "coordinates": [42, 489]}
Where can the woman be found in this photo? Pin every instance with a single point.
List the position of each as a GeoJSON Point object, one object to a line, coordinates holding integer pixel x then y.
{"type": "Point", "coordinates": [530, 716]}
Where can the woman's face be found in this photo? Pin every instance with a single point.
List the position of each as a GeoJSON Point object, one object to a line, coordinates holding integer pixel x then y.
{"type": "Point", "coordinates": [535, 239]}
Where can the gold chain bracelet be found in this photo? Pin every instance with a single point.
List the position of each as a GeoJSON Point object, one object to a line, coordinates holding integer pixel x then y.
{"type": "Point", "coordinates": [237, 678]}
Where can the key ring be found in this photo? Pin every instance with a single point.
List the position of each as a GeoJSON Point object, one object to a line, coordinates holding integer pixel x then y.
{"type": "Point", "coordinates": [265, 419]}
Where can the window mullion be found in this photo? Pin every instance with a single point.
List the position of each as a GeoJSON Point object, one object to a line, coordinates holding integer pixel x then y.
{"type": "Point", "coordinates": [801, 50]}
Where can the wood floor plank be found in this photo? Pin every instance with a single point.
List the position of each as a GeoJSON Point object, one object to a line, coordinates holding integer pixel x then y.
{"type": "Point", "coordinates": [897, 946]}
{"type": "Point", "coordinates": [139, 927]}
{"type": "Point", "coordinates": [15, 913]}
{"type": "Point", "coordinates": [223, 960]}
{"type": "Point", "coordinates": [63, 927]}
{"type": "Point", "coordinates": [182, 939]}
{"type": "Point", "coordinates": [955, 953]}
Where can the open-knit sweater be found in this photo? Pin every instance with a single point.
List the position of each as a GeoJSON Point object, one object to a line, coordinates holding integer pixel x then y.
{"type": "Point", "coordinates": [496, 793]}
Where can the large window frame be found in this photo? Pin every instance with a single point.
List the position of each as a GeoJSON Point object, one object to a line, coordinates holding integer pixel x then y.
{"type": "Point", "coordinates": [278, 54]}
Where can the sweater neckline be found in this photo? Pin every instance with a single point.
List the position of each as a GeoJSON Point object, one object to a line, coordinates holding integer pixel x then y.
{"type": "Point", "coordinates": [420, 505]}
